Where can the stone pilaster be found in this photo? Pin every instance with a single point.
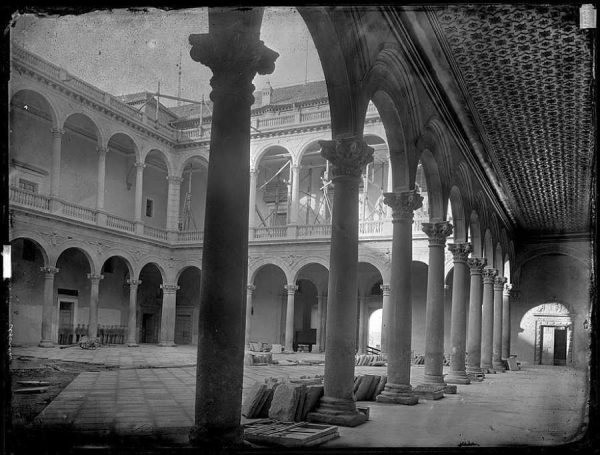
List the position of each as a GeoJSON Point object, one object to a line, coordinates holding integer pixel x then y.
{"type": "Point", "coordinates": [57, 134]}
{"type": "Point", "coordinates": [434, 312]}
{"type": "Point", "coordinates": [48, 306]}
{"type": "Point", "coordinates": [347, 156]}
{"type": "Point", "coordinates": [487, 319]}
{"type": "Point", "coordinates": [167, 321]}
{"type": "Point", "coordinates": [94, 291]}
{"type": "Point", "coordinates": [398, 316]}
{"type": "Point", "coordinates": [476, 266]}
{"type": "Point", "coordinates": [289, 316]}
{"type": "Point", "coordinates": [233, 51]}
{"type": "Point", "coordinates": [131, 320]}
{"type": "Point", "coordinates": [458, 324]}
{"type": "Point", "coordinates": [139, 185]}
{"type": "Point", "coordinates": [497, 363]}
{"type": "Point", "coordinates": [250, 291]}
{"type": "Point", "coordinates": [101, 215]}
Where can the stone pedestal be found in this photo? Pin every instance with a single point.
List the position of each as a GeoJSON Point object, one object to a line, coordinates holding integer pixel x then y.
{"type": "Point", "coordinates": [430, 391]}
{"type": "Point", "coordinates": [132, 319]}
{"type": "Point", "coordinates": [497, 363]}
{"type": "Point", "coordinates": [167, 321]}
{"type": "Point", "coordinates": [434, 312]}
{"type": "Point", "coordinates": [347, 157]}
{"type": "Point", "coordinates": [475, 300]}
{"type": "Point", "coordinates": [48, 307]}
{"type": "Point", "coordinates": [487, 318]}
{"type": "Point", "coordinates": [458, 325]}
{"type": "Point", "coordinates": [233, 51]}
{"type": "Point", "coordinates": [399, 315]}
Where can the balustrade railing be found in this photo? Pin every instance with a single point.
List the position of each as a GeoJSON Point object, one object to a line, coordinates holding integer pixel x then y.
{"type": "Point", "coordinates": [370, 227]}
{"type": "Point", "coordinates": [29, 199]}
{"type": "Point", "coordinates": [274, 232]}
{"type": "Point", "coordinates": [315, 116]}
{"type": "Point", "coordinates": [190, 236]}
{"type": "Point", "coordinates": [120, 223]}
{"type": "Point", "coordinates": [79, 212]}
{"type": "Point", "coordinates": [156, 233]}
{"type": "Point", "coordinates": [314, 230]}
{"type": "Point", "coordinates": [271, 122]}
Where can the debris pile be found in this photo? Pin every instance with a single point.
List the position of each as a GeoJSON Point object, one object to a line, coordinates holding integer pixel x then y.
{"type": "Point", "coordinates": [373, 360]}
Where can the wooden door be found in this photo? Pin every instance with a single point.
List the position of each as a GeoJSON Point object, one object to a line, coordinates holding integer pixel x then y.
{"type": "Point", "coordinates": [548, 345]}
{"type": "Point", "coordinates": [560, 346]}
{"type": "Point", "coordinates": [65, 323]}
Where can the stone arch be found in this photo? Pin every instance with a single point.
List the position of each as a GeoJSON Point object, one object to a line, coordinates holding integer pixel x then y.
{"type": "Point", "coordinates": [306, 260]}
{"type": "Point", "coordinates": [464, 182]}
{"type": "Point", "coordinates": [304, 147]}
{"type": "Point", "coordinates": [488, 248]}
{"type": "Point", "coordinates": [155, 262]}
{"type": "Point", "coordinates": [482, 208]}
{"type": "Point", "coordinates": [163, 156]}
{"type": "Point", "coordinates": [376, 262]}
{"type": "Point", "coordinates": [85, 249]}
{"type": "Point", "coordinates": [435, 137]}
{"type": "Point", "coordinates": [499, 259]}
{"type": "Point", "coordinates": [475, 230]}
{"type": "Point", "coordinates": [122, 254]}
{"type": "Point", "coordinates": [49, 101]}
{"type": "Point", "coordinates": [458, 215]}
{"type": "Point", "coordinates": [39, 241]}
{"type": "Point", "coordinates": [260, 154]}
{"type": "Point", "coordinates": [100, 135]}
{"type": "Point", "coordinates": [185, 266]}
{"type": "Point", "coordinates": [437, 203]}
{"type": "Point", "coordinates": [196, 156]}
{"type": "Point", "coordinates": [255, 267]}
{"type": "Point", "coordinates": [494, 227]}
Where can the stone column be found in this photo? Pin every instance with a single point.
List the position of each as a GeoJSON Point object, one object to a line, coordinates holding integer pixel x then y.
{"type": "Point", "coordinates": [289, 317]}
{"type": "Point", "coordinates": [487, 319]}
{"type": "Point", "coordinates": [132, 320]}
{"type": "Point", "coordinates": [101, 215]}
{"type": "Point", "coordinates": [57, 134]}
{"type": "Point", "coordinates": [48, 307]}
{"type": "Point", "coordinates": [475, 299]}
{"type": "Point", "coordinates": [233, 51]}
{"type": "Point", "coordinates": [139, 186]}
{"type": "Point", "coordinates": [167, 318]}
{"type": "Point", "coordinates": [399, 315]}
{"type": "Point", "coordinates": [458, 318]}
{"type": "Point", "coordinates": [347, 156]}
{"type": "Point", "coordinates": [173, 202]}
{"type": "Point", "coordinates": [385, 309]}
{"type": "Point", "coordinates": [362, 325]}
{"type": "Point", "coordinates": [434, 311]}
{"type": "Point", "coordinates": [250, 291]}
{"type": "Point", "coordinates": [252, 203]}
{"type": "Point", "coordinates": [322, 316]}
{"type": "Point", "coordinates": [295, 203]}
{"type": "Point", "coordinates": [93, 316]}
{"type": "Point", "coordinates": [511, 298]}
{"type": "Point", "coordinates": [497, 363]}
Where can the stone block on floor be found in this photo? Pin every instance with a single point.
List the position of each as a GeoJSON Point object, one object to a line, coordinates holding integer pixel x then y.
{"type": "Point", "coordinates": [285, 402]}
{"type": "Point", "coordinates": [429, 391]}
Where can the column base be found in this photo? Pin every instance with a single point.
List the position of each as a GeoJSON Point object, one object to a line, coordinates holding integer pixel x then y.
{"type": "Point", "coordinates": [397, 394]}
{"type": "Point", "coordinates": [132, 345]}
{"type": "Point", "coordinates": [487, 370]}
{"type": "Point", "coordinates": [434, 379]}
{"type": "Point", "coordinates": [499, 367]}
{"type": "Point", "coordinates": [46, 344]}
{"type": "Point", "coordinates": [430, 391]}
{"type": "Point", "coordinates": [166, 344]}
{"type": "Point", "coordinates": [457, 377]}
{"type": "Point", "coordinates": [475, 374]}
{"type": "Point", "coordinates": [335, 411]}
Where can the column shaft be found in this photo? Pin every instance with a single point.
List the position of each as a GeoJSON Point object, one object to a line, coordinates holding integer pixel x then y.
{"type": "Point", "coordinates": [289, 317]}
{"type": "Point", "coordinates": [458, 325]}
{"type": "Point", "coordinates": [132, 319]}
{"type": "Point", "coordinates": [434, 312]}
{"type": "Point", "coordinates": [362, 325]}
{"type": "Point", "coordinates": [475, 300]}
{"type": "Point", "coordinates": [249, 294]}
{"type": "Point", "coordinates": [173, 202]}
{"type": "Point", "coordinates": [318, 346]}
{"type": "Point", "coordinates": [93, 316]}
{"type": "Point", "coordinates": [295, 203]}
{"type": "Point", "coordinates": [48, 307]}
{"type": "Point", "coordinates": [167, 321]}
{"type": "Point", "coordinates": [487, 318]}
{"type": "Point", "coordinates": [101, 178]}
{"type": "Point", "coordinates": [252, 202]}
{"type": "Point", "coordinates": [506, 321]}
{"type": "Point", "coordinates": [497, 363]}
{"type": "Point", "coordinates": [385, 316]}
{"type": "Point", "coordinates": [57, 134]}
{"type": "Point", "coordinates": [139, 186]}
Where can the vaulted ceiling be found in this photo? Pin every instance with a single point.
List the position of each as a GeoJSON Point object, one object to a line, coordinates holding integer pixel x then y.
{"type": "Point", "coordinates": [527, 75]}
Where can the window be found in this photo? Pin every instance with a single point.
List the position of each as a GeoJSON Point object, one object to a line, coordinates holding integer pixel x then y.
{"type": "Point", "coordinates": [28, 185]}
{"type": "Point", "coordinates": [149, 207]}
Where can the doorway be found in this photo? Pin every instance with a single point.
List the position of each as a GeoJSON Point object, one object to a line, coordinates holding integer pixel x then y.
{"type": "Point", "coordinates": [183, 329]}
{"type": "Point", "coordinates": [560, 346]}
{"type": "Point", "coordinates": [149, 328]}
{"type": "Point", "coordinates": [554, 345]}
{"type": "Point", "coordinates": [65, 322]}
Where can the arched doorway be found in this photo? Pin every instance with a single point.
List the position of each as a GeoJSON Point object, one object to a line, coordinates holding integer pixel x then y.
{"type": "Point", "coordinates": [113, 301]}
{"type": "Point", "coordinates": [187, 306]}
{"type": "Point", "coordinates": [149, 300]}
{"type": "Point", "coordinates": [375, 329]}
{"type": "Point", "coordinates": [267, 319]}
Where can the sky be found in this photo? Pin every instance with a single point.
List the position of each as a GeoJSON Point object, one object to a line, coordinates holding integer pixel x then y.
{"type": "Point", "coordinates": [124, 51]}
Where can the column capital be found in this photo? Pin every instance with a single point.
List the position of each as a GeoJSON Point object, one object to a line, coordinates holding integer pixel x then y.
{"type": "Point", "coordinates": [476, 265]}
{"type": "Point", "coordinates": [499, 282]}
{"type": "Point", "coordinates": [386, 289]}
{"type": "Point", "coordinates": [174, 179]}
{"type": "Point", "coordinates": [234, 53]}
{"type": "Point", "coordinates": [95, 277]}
{"type": "Point", "coordinates": [102, 151]}
{"type": "Point", "coordinates": [57, 132]}
{"type": "Point", "coordinates": [49, 271]}
{"type": "Point", "coordinates": [507, 288]}
{"type": "Point", "coordinates": [437, 232]}
{"type": "Point", "coordinates": [134, 283]}
{"type": "Point", "coordinates": [403, 204]}
{"type": "Point", "coordinates": [251, 288]}
{"type": "Point", "coordinates": [169, 288]}
{"type": "Point", "coordinates": [139, 165]}
{"type": "Point", "coordinates": [291, 288]}
{"type": "Point", "coordinates": [460, 251]}
{"type": "Point", "coordinates": [347, 155]}
{"type": "Point", "coordinates": [489, 274]}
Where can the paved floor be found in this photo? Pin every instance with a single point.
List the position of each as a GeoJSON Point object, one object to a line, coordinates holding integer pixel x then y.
{"type": "Point", "coordinates": [153, 391]}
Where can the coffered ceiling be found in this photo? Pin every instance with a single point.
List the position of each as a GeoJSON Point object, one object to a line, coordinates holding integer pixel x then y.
{"type": "Point", "coordinates": [527, 73]}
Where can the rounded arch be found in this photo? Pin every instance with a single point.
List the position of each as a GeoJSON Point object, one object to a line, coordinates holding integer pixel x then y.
{"type": "Point", "coordinates": [458, 215]}
{"type": "Point", "coordinates": [475, 231]}
{"type": "Point", "coordinates": [308, 146]}
{"type": "Point", "coordinates": [464, 182]}
{"type": "Point", "coordinates": [435, 137]}
{"type": "Point", "coordinates": [256, 267]}
{"type": "Point", "coordinates": [121, 254]}
{"type": "Point", "coordinates": [435, 192]}
{"type": "Point", "coordinates": [482, 209]}
{"type": "Point", "coordinates": [38, 241]}
{"type": "Point", "coordinates": [494, 227]}
{"type": "Point", "coordinates": [157, 157]}
{"type": "Point", "coordinates": [498, 259]}
{"type": "Point", "coordinates": [122, 141]}
{"type": "Point", "coordinates": [83, 248]}
{"type": "Point", "coordinates": [25, 97]}
{"type": "Point", "coordinates": [488, 248]}
{"type": "Point", "coordinates": [368, 274]}
{"type": "Point", "coordinates": [80, 120]}
{"type": "Point", "coordinates": [185, 266]}
{"type": "Point", "coordinates": [307, 260]}
{"type": "Point", "coordinates": [195, 158]}
{"type": "Point", "coordinates": [155, 263]}
{"type": "Point", "coordinates": [265, 151]}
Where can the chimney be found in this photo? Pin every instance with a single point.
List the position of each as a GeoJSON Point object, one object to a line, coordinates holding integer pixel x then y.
{"type": "Point", "coordinates": [266, 94]}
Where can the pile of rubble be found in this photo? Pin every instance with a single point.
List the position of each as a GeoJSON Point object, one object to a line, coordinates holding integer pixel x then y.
{"type": "Point", "coordinates": [372, 360]}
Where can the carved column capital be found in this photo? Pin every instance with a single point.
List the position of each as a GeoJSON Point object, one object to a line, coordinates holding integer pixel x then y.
{"type": "Point", "coordinates": [49, 271]}
{"type": "Point", "coordinates": [403, 204]}
{"type": "Point", "coordinates": [291, 288]}
{"type": "Point", "coordinates": [139, 165]}
{"type": "Point", "coordinates": [169, 288]}
{"type": "Point", "coordinates": [460, 251]}
{"type": "Point", "coordinates": [174, 180]}
{"type": "Point", "coordinates": [476, 265]}
{"type": "Point", "coordinates": [499, 282]}
{"type": "Point", "coordinates": [507, 288]}
{"type": "Point", "coordinates": [437, 232]}
{"type": "Point", "coordinates": [95, 277]}
{"type": "Point", "coordinates": [385, 289]}
{"type": "Point", "coordinates": [251, 288]}
{"type": "Point", "coordinates": [347, 156]}
{"type": "Point", "coordinates": [102, 151]}
{"type": "Point", "coordinates": [489, 274]}
{"type": "Point", "coordinates": [134, 283]}
{"type": "Point", "coordinates": [57, 132]}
